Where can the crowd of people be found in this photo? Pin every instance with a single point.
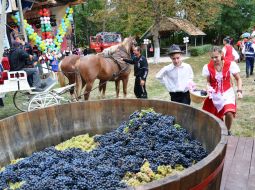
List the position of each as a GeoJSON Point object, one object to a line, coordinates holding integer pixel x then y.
{"type": "Point", "coordinates": [177, 77]}
{"type": "Point", "coordinates": [37, 64]}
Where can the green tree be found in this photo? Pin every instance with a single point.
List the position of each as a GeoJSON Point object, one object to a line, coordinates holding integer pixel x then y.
{"type": "Point", "coordinates": [84, 25]}
{"type": "Point", "coordinates": [234, 20]}
{"type": "Point", "coordinates": [134, 17]}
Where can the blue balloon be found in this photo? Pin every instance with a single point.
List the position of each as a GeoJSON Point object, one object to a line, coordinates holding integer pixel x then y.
{"type": "Point", "coordinates": [67, 10]}
{"type": "Point", "coordinates": [29, 31]}
{"type": "Point", "coordinates": [70, 18]}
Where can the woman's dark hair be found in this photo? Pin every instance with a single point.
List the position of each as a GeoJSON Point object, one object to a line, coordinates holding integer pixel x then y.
{"type": "Point", "coordinates": [227, 40]}
{"type": "Point", "coordinates": [138, 48]}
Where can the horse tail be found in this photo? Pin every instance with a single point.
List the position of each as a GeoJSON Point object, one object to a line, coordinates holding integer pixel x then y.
{"type": "Point", "coordinates": [61, 76]}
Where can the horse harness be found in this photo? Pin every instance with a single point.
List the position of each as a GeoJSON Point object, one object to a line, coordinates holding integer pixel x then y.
{"type": "Point", "coordinates": [119, 64]}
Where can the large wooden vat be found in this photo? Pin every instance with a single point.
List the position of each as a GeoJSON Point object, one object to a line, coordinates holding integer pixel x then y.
{"type": "Point", "coordinates": [25, 133]}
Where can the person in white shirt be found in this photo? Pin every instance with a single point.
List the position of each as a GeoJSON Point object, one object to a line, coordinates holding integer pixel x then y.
{"type": "Point", "coordinates": [177, 77]}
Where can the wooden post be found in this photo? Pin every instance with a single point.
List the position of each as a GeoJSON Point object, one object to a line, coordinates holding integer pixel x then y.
{"type": "Point", "coordinates": [2, 29]}
{"type": "Point", "coordinates": [22, 28]}
{"type": "Point", "coordinates": [202, 40]}
{"type": "Point", "coordinates": [195, 41]}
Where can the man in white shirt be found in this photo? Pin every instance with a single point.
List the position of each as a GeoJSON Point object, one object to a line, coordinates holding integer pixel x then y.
{"type": "Point", "coordinates": [177, 77]}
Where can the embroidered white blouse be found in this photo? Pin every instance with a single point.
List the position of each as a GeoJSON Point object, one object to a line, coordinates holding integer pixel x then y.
{"type": "Point", "coordinates": [220, 99]}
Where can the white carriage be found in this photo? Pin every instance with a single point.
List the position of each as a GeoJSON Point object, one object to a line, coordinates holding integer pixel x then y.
{"type": "Point", "coordinates": [24, 98]}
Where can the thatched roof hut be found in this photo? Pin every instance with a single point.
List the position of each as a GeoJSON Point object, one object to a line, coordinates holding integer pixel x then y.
{"type": "Point", "coordinates": [172, 24]}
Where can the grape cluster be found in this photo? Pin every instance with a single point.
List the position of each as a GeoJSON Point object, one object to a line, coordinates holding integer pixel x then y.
{"type": "Point", "coordinates": [84, 142]}
{"type": "Point", "coordinates": [146, 136]}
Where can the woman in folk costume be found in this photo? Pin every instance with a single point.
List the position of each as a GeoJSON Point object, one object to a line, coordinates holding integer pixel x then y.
{"type": "Point", "coordinates": [228, 51]}
{"type": "Point", "coordinates": [221, 101]}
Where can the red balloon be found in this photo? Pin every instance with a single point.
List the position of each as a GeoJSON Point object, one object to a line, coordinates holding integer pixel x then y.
{"type": "Point", "coordinates": [44, 10]}
{"type": "Point", "coordinates": [40, 12]}
{"type": "Point", "coordinates": [48, 13]}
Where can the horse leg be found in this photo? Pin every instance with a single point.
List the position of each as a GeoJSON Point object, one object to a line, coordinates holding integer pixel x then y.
{"type": "Point", "coordinates": [125, 83]}
{"type": "Point", "coordinates": [102, 88]}
{"type": "Point", "coordinates": [88, 88]}
{"type": "Point", "coordinates": [78, 84]}
{"type": "Point", "coordinates": [117, 88]}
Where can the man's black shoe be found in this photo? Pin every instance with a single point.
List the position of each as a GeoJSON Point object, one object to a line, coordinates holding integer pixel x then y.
{"type": "Point", "coordinates": [1, 102]}
{"type": "Point", "coordinates": [43, 85]}
{"type": "Point", "coordinates": [37, 90]}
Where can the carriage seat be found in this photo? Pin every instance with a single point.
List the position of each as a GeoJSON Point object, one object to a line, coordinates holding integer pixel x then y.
{"type": "Point", "coordinates": [13, 81]}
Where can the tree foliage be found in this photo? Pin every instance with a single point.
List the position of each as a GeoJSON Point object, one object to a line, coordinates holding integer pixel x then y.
{"type": "Point", "coordinates": [84, 25]}
{"type": "Point", "coordinates": [236, 19]}
{"type": "Point", "coordinates": [134, 17]}
{"type": "Point", "coordinates": [202, 13]}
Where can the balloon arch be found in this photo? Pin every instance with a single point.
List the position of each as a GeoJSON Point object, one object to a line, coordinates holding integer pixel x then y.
{"type": "Point", "coordinates": [46, 40]}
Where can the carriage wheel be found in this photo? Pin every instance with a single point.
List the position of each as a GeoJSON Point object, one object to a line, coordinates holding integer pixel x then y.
{"type": "Point", "coordinates": [21, 99]}
{"type": "Point", "coordinates": [42, 100]}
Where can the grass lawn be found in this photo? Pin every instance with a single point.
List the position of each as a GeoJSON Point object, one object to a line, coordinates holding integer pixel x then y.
{"type": "Point", "coordinates": [245, 118]}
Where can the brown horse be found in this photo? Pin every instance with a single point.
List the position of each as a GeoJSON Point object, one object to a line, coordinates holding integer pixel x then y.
{"type": "Point", "coordinates": [67, 69]}
{"type": "Point", "coordinates": [97, 66]}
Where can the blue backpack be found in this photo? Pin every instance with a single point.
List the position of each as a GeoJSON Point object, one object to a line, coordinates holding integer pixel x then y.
{"type": "Point", "coordinates": [248, 47]}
